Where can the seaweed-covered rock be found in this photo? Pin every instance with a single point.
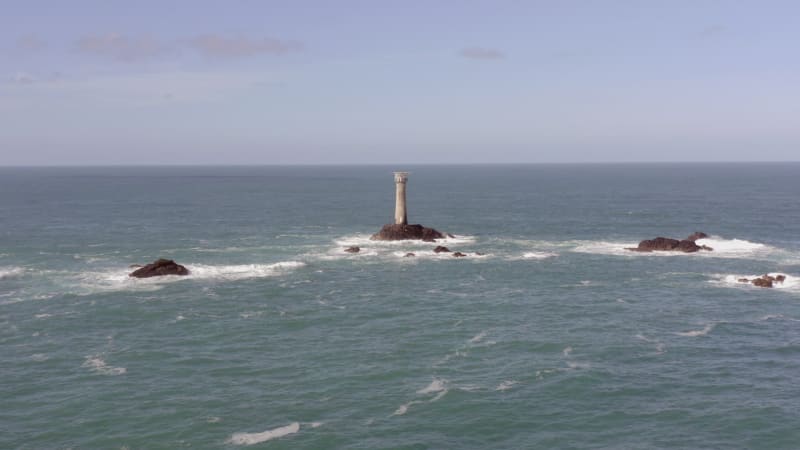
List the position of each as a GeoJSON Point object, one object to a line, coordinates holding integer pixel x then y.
{"type": "Point", "coordinates": [441, 249]}
{"type": "Point", "coordinates": [159, 268]}
{"type": "Point", "coordinates": [458, 255]}
{"type": "Point", "coordinates": [353, 249]}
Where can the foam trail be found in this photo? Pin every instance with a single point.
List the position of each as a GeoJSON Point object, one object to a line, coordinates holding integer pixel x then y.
{"type": "Point", "coordinates": [255, 438]}
{"type": "Point", "coordinates": [694, 333]}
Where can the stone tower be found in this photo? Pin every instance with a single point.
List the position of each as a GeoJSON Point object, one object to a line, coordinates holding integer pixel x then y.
{"type": "Point", "coordinates": [400, 215]}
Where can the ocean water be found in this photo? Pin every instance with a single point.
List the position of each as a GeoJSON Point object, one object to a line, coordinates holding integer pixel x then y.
{"type": "Point", "coordinates": [556, 338]}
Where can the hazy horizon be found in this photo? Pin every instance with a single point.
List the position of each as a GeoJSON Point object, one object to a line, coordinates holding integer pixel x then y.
{"type": "Point", "coordinates": [308, 83]}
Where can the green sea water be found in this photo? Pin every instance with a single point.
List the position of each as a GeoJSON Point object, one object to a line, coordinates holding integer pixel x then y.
{"type": "Point", "coordinates": [556, 337]}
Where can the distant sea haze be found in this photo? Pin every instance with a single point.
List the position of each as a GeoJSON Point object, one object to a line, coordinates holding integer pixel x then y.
{"type": "Point", "coordinates": [547, 334]}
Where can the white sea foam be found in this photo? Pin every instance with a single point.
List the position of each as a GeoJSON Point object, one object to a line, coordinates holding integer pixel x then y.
{"type": "Point", "coordinates": [39, 357]}
{"type": "Point", "coordinates": [363, 240]}
{"type": "Point", "coordinates": [477, 338]}
{"type": "Point", "coordinates": [538, 255]}
{"type": "Point", "coordinates": [437, 385]}
{"type": "Point", "coordinates": [791, 283]}
{"type": "Point", "coordinates": [42, 316]}
{"type": "Point", "coordinates": [10, 272]}
{"type": "Point", "coordinates": [98, 365]}
{"type": "Point", "coordinates": [255, 438]}
{"type": "Point", "coordinates": [722, 248]}
{"type": "Point", "coordinates": [506, 385]}
{"type": "Point", "coordinates": [694, 333]}
{"type": "Point", "coordinates": [402, 409]}
{"type": "Point", "coordinates": [567, 351]}
{"type": "Point", "coordinates": [119, 280]}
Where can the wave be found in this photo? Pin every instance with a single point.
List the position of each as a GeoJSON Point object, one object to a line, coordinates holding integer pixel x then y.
{"type": "Point", "coordinates": [11, 272]}
{"type": "Point", "coordinates": [364, 240]}
{"type": "Point", "coordinates": [119, 280]}
{"type": "Point", "coordinates": [722, 248]}
{"type": "Point", "coordinates": [539, 255]}
{"type": "Point", "coordinates": [255, 438]}
{"type": "Point", "coordinates": [506, 385]}
{"type": "Point", "coordinates": [437, 385]}
{"type": "Point", "coordinates": [98, 365]}
{"type": "Point", "coordinates": [791, 283]}
{"type": "Point", "coordinates": [694, 333]}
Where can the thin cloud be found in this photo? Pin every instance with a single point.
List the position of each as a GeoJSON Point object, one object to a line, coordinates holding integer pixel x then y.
{"type": "Point", "coordinates": [217, 46]}
{"type": "Point", "coordinates": [123, 48]}
{"type": "Point", "coordinates": [26, 78]}
{"type": "Point", "coordinates": [30, 43]}
{"type": "Point", "coordinates": [711, 31]}
{"type": "Point", "coordinates": [482, 53]}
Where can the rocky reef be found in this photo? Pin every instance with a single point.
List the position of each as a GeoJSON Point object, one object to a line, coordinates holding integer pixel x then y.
{"type": "Point", "coordinates": [765, 281]}
{"type": "Point", "coordinates": [398, 232]}
{"type": "Point", "coordinates": [159, 268]}
{"type": "Point", "coordinates": [662, 244]}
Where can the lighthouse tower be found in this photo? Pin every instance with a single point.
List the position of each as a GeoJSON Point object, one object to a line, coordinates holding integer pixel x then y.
{"type": "Point", "coordinates": [400, 215]}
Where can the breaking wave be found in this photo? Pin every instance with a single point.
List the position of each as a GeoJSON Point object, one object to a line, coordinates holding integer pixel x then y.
{"type": "Point", "coordinates": [96, 364]}
{"type": "Point", "coordinates": [722, 248]}
{"type": "Point", "coordinates": [10, 272]}
{"type": "Point", "coordinates": [694, 333]}
{"type": "Point", "coordinates": [119, 280]}
{"type": "Point", "coordinates": [255, 438]}
{"type": "Point", "coordinates": [791, 283]}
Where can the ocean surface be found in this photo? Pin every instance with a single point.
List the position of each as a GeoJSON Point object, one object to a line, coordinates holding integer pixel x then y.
{"type": "Point", "coordinates": [557, 337]}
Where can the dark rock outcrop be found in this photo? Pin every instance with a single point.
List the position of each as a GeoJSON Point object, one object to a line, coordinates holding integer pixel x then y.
{"type": "Point", "coordinates": [662, 244]}
{"type": "Point", "coordinates": [440, 249]}
{"type": "Point", "coordinates": [458, 255]}
{"type": "Point", "coordinates": [353, 249]}
{"type": "Point", "coordinates": [409, 255]}
{"type": "Point", "coordinates": [394, 232]}
{"type": "Point", "coordinates": [159, 268]}
{"type": "Point", "coordinates": [765, 281]}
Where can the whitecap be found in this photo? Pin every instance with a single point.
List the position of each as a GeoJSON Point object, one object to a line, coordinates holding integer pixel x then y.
{"type": "Point", "coordinates": [694, 333]}
{"type": "Point", "coordinates": [364, 240]}
{"type": "Point", "coordinates": [722, 248]}
{"type": "Point", "coordinates": [538, 255]}
{"type": "Point", "coordinates": [118, 279]}
{"type": "Point", "coordinates": [567, 351]}
{"type": "Point", "coordinates": [791, 283]}
{"type": "Point", "coordinates": [11, 272]}
{"type": "Point", "coordinates": [255, 438]}
{"type": "Point", "coordinates": [98, 365]}
{"type": "Point", "coordinates": [478, 337]}
{"type": "Point", "coordinates": [505, 385]}
{"type": "Point", "coordinates": [437, 385]}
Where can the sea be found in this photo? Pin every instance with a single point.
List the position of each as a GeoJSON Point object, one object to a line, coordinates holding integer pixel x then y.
{"type": "Point", "coordinates": [549, 334]}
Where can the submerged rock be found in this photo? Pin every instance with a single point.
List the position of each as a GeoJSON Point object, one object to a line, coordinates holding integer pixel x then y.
{"type": "Point", "coordinates": [458, 255]}
{"type": "Point", "coordinates": [353, 249]}
{"type": "Point", "coordinates": [441, 249]}
{"type": "Point", "coordinates": [409, 255]}
{"type": "Point", "coordinates": [662, 244]}
{"type": "Point", "coordinates": [395, 232]}
{"type": "Point", "coordinates": [159, 268]}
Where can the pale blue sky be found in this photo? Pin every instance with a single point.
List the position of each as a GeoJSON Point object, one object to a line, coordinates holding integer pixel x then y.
{"type": "Point", "coordinates": [319, 82]}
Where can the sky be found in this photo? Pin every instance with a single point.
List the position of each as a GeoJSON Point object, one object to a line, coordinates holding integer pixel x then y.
{"type": "Point", "coordinates": [382, 82]}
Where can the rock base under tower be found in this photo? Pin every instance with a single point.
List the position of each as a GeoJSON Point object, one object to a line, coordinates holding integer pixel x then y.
{"type": "Point", "coordinates": [394, 232]}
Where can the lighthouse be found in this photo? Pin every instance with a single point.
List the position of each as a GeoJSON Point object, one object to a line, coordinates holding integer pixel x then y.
{"type": "Point", "coordinates": [400, 215]}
